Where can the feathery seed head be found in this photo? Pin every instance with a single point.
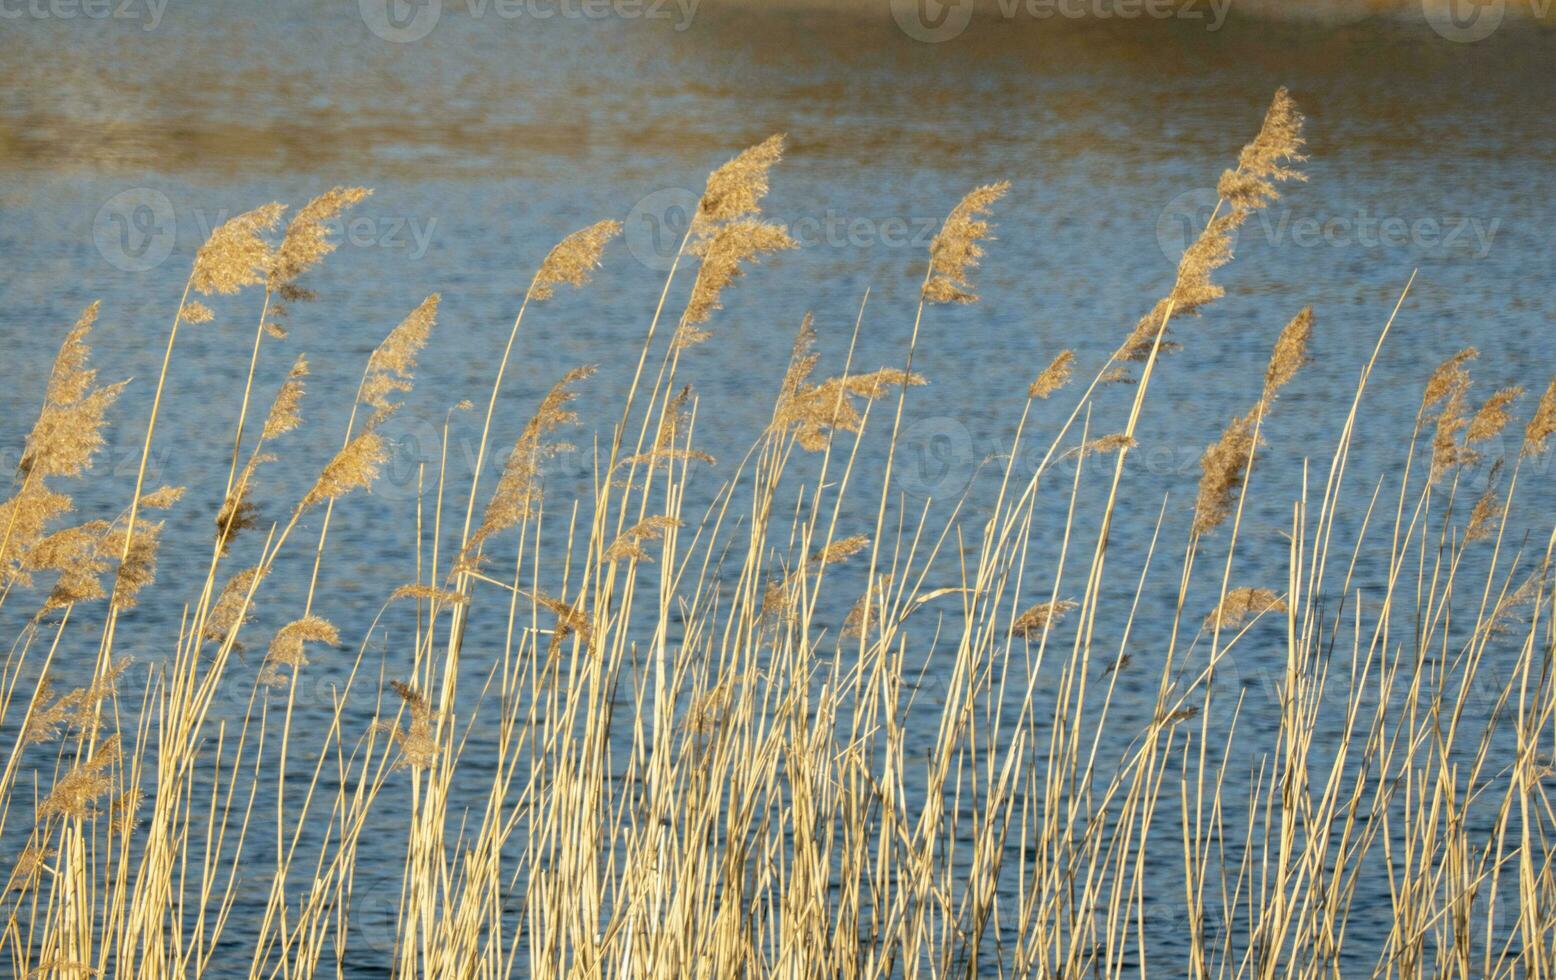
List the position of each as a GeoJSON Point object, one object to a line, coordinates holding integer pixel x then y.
{"type": "Point", "coordinates": [1290, 353]}
{"type": "Point", "coordinates": [955, 250]}
{"type": "Point", "coordinates": [1053, 377]}
{"type": "Point", "coordinates": [237, 254]}
{"type": "Point", "coordinates": [1043, 616]}
{"type": "Point", "coordinates": [307, 240]}
{"type": "Point", "coordinates": [1243, 604]}
{"type": "Point", "coordinates": [573, 259]}
{"type": "Point", "coordinates": [391, 365]}
{"type": "Point", "coordinates": [736, 189]}
{"type": "Point", "coordinates": [1543, 424]}
{"type": "Point", "coordinates": [722, 253]}
{"type": "Point", "coordinates": [354, 468]}
{"type": "Point", "coordinates": [284, 415]}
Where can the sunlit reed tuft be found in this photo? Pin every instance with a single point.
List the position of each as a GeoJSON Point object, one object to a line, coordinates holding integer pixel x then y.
{"type": "Point", "coordinates": [1243, 604]}
{"type": "Point", "coordinates": [1053, 377]}
{"type": "Point", "coordinates": [237, 254]}
{"type": "Point", "coordinates": [956, 248]}
{"type": "Point", "coordinates": [573, 259]}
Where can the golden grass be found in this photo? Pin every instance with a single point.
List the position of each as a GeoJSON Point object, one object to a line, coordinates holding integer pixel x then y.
{"type": "Point", "coordinates": [695, 763]}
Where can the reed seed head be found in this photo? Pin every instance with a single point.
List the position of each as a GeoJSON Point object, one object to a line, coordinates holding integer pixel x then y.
{"type": "Point", "coordinates": [237, 254]}
{"type": "Point", "coordinates": [1053, 377]}
{"type": "Point", "coordinates": [1222, 470]}
{"type": "Point", "coordinates": [956, 249]}
{"type": "Point", "coordinates": [285, 414]}
{"type": "Point", "coordinates": [722, 254]}
{"type": "Point", "coordinates": [69, 429]}
{"type": "Point", "coordinates": [573, 259]}
{"type": "Point", "coordinates": [1493, 416]}
{"type": "Point", "coordinates": [287, 647]}
{"type": "Point", "coordinates": [519, 489]}
{"type": "Point", "coordinates": [391, 366]}
{"type": "Point", "coordinates": [1243, 604]}
{"type": "Point", "coordinates": [1290, 354]}
{"type": "Point", "coordinates": [354, 468]}
{"type": "Point", "coordinates": [1262, 163]}
{"type": "Point", "coordinates": [736, 189]}
{"type": "Point", "coordinates": [1043, 616]}
{"type": "Point", "coordinates": [307, 240]}
{"type": "Point", "coordinates": [429, 593]}
{"type": "Point", "coordinates": [629, 546]}
{"type": "Point", "coordinates": [1542, 424]}
{"type": "Point", "coordinates": [75, 796]}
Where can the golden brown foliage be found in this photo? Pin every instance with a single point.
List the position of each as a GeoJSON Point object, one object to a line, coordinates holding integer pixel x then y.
{"type": "Point", "coordinates": [813, 411]}
{"type": "Point", "coordinates": [1542, 424]}
{"type": "Point", "coordinates": [287, 650]}
{"type": "Point", "coordinates": [355, 467]}
{"type": "Point", "coordinates": [74, 797]}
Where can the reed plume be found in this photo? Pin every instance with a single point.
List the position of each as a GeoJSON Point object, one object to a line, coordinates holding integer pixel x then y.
{"type": "Point", "coordinates": [417, 743]}
{"type": "Point", "coordinates": [237, 254]}
{"type": "Point", "coordinates": [1487, 512]}
{"type": "Point", "coordinates": [287, 648]}
{"type": "Point", "coordinates": [1542, 424]}
{"type": "Point", "coordinates": [1448, 387]}
{"type": "Point", "coordinates": [1248, 187]}
{"type": "Point", "coordinates": [238, 511]}
{"type": "Point", "coordinates": [1243, 604]}
{"type": "Point", "coordinates": [518, 491]}
{"type": "Point", "coordinates": [1034, 620]}
{"type": "Point", "coordinates": [813, 411]}
{"type": "Point", "coordinates": [727, 232]}
{"type": "Point", "coordinates": [75, 796]}
{"type": "Point", "coordinates": [429, 593]}
{"type": "Point", "coordinates": [956, 248]}
{"type": "Point", "coordinates": [1492, 417]}
{"type": "Point", "coordinates": [392, 365]}
{"type": "Point", "coordinates": [233, 607]}
{"type": "Point", "coordinates": [355, 467]}
{"type": "Point", "coordinates": [69, 429]}
{"type": "Point", "coordinates": [572, 260]}
{"type": "Point", "coordinates": [736, 189]}
{"type": "Point", "coordinates": [629, 545]}
{"type": "Point", "coordinates": [307, 241]}
{"type": "Point", "coordinates": [723, 253]}
{"type": "Point", "coordinates": [1224, 465]}
{"type": "Point", "coordinates": [1053, 377]}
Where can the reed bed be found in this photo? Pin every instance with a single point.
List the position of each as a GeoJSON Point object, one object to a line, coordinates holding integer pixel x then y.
{"type": "Point", "coordinates": [696, 754]}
